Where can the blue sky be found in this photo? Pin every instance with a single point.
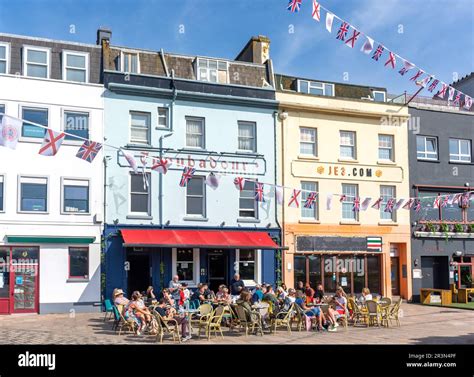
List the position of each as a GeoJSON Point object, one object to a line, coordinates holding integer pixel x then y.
{"type": "Point", "coordinates": [438, 35]}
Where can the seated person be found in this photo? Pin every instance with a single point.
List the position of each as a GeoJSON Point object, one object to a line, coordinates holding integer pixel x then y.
{"type": "Point", "coordinates": [245, 300]}
{"type": "Point", "coordinates": [168, 299]}
{"type": "Point", "coordinates": [340, 302]}
{"type": "Point", "coordinates": [169, 313]}
{"type": "Point", "coordinates": [208, 293]}
{"type": "Point", "coordinates": [309, 296]}
{"type": "Point", "coordinates": [119, 298]}
{"type": "Point", "coordinates": [310, 311]}
{"type": "Point", "coordinates": [300, 286]}
{"type": "Point", "coordinates": [271, 298]}
{"type": "Point", "coordinates": [258, 294]}
{"type": "Point", "coordinates": [137, 310]}
{"type": "Point", "coordinates": [150, 296]}
{"type": "Point", "coordinates": [281, 294]}
{"type": "Point", "coordinates": [223, 295]}
{"type": "Point", "coordinates": [199, 294]}
{"type": "Point", "coordinates": [319, 294]}
{"type": "Point", "coordinates": [365, 296]}
{"type": "Point", "coordinates": [289, 299]}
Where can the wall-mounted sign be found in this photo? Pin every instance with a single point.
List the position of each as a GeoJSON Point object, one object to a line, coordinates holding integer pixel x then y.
{"type": "Point", "coordinates": [374, 243]}
{"type": "Point", "coordinates": [332, 243]}
{"type": "Point", "coordinates": [417, 273]}
{"type": "Point", "coordinates": [357, 172]}
{"type": "Point", "coordinates": [19, 280]}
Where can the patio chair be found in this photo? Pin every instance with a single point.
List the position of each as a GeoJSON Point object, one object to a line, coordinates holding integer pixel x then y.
{"type": "Point", "coordinates": [109, 309]}
{"type": "Point", "coordinates": [394, 312]}
{"type": "Point", "coordinates": [116, 318]}
{"type": "Point", "coordinates": [215, 322]}
{"type": "Point", "coordinates": [204, 311]}
{"type": "Point", "coordinates": [386, 301]}
{"type": "Point", "coordinates": [373, 312]}
{"type": "Point", "coordinates": [358, 314]}
{"type": "Point", "coordinates": [166, 326]}
{"type": "Point", "coordinates": [283, 319]}
{"type": "Point", "coordinates": [125, 324]}
{"type": "Point", "coordinates": [248, 320]}
{"type": "Point", "coordinates": [194, 304]}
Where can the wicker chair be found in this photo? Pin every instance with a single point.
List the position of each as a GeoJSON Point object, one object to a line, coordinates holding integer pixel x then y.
{"type": "Point", "coordinates": [215, 322]}
{"type": "Point", "coordinates": [248, 320]}
{"type": "Point", "coordinates": [205, 310]}
{"type": "Point", "coordinates": [166, 326]}
{"type": "Point", "coordinates": [373, 313]}
{"type": "Point", "coordinates": [283, 319]}
{"type": "Point", "coordinates": [394, 312]}
{"type": "Point", "coordinates": [358, 314]}
{"type": "Point", "coordinates": [125, 324]}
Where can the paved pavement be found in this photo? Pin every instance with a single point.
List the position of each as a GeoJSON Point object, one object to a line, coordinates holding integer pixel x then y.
{"type": "Point", "coordinates": [419, 325]}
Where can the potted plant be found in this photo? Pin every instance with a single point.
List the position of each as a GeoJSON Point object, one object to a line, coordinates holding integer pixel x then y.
{"type": "Point", "coordinates": [470, 228]}
{"type": "Point", "coordinates": [458, 228]}
{"type": "Point", "coordinates": [430, 227]}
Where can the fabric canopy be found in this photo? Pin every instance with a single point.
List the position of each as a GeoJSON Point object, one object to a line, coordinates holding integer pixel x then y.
{"type": "Point", "coordinates": [198, 238]}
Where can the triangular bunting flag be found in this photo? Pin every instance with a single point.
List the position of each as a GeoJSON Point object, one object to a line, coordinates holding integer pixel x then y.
{"type": "Point", "coordinates": [131, 160]}
{"type": "Point", "coordinates": [329, 21]}
{"type": "Point", "coordinates": [328, 201]}
{"type": "Point", "coordinates": [368, 46]}
{"type": "Point", "coordinates": [212, 180]}
{"type": "Point", "coordinates": [279, 195]}
{"type": "Point", "coordinates": [365, 204]}
{"type": "Point", "coordinates": [377, 203]}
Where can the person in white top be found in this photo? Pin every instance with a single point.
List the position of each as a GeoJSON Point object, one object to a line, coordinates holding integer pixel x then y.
{"type": "Point", "coordinates": [365, 295]}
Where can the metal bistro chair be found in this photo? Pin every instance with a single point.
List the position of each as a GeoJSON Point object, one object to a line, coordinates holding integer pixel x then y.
{"type": "Point", "coordinates": [248, 320]}
{"type": "Point", "coordinates": [215, 322]}
{"type": "Point", "coordinates": [358, 314]}
{"type": "Point", "coordinates": [205, 310]}
{"type": "Point", "coordinates": [373, 312]}
{"type": "Point", "coordinates": [283, 319]}
{"type": "Point", "coordinates": [109, 309]}
{"type": "Point", "coordinates": [394, 312]}
{"type": "Point", "coordinates": [169, 326]}
{"type": "Point", "coordinates": [125, 324]}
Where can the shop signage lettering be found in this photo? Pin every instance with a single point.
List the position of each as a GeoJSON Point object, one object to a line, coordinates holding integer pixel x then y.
{"type": "Point", "coordinates": [346, 171]}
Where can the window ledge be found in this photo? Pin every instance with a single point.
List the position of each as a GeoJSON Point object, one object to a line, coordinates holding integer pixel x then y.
{"type": "Point", "coordinates": [76, 213]}
{"type": "Point", "coordinates": [428, 160]}
{"type": "Point", "coordinates": [138, 146]}
{"type": "Point", "coordinates": [31, 212]}
{"type": "Point", "coordinates": [309, 222]}
{"type": "Point", "coordinates": [308, 157]}
{"type": "Point", "coordinates": [139, 217]}
{"type": "Point", "coordinates": [348, 160]}
{"type": "Point", "coordinates": [385, 162]}
{"type": "Point", "coordinates": [349, 222]}
{"type": "Point", "coordinates": [247, 220]}
{"type": "Point", "coordinates": [77, 280]}
{"type": "Point", "coordinates": [389, 223]}
{"type": "Point", "coordinates": [460, 163]}
{"type": "Point", "coordinates": [197, 218]}
{"type": "Point", "coordinates": [33, 140]}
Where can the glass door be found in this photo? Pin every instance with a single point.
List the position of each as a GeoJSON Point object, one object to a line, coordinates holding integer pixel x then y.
{"type": "Point", "coordinates": [25, 283]}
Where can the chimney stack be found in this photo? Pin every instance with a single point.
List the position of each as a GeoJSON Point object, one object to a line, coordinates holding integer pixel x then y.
{"type": "Point", "coordinates": [257, 50]}
{"type": "Point", "coordinates": [103, 33]}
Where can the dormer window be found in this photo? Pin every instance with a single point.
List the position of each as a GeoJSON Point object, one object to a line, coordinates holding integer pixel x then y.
{"type": "Point", "coordinates": [130, 62]}
{"type": "Point", "coordinates": [75, 66]}
{"type": "Point", "coordinates": [211, 70]}
{"type": "Point", "coordinates": [36, 61]}
{"type": "Point", "coordinates": [315, 87]}
{"type": "Point", "coordinates": [378, 96]}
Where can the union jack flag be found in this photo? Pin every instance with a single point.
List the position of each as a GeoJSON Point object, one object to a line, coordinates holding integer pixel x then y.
{"type": "Point", "coordinates": [259, 192]}
{"type": "Point", "coordinates": [417, 205]}
{"type": "Point", "coordinates": [377, 203]}
{"type": "Point", "coordinates": [356, 206]}
{"type": "Point", "coordinates": [378, 53]}
{"type": "Point", "coordinates": [186, 176]}
{"type": "Point", "coordinates": [89, 150]}
{"type": "Point", "coordinates": [294, 201]}
{"type": "Point", "coordinates": [294, 5]}
{"type": "Point", "coordinates": [341, 34]}
{"type": "Point", "coordinates": [433, 85]}
{"type": "Point", "coordinates": [389, 205]}
{"type": "Point", "coordinates": [51, 142]}
{"type": "Point", "coordinates": [161, 165]}
{"type": "Point", "coordinates": [406, 67]}
{"type": "Point", "coordinates": [239, 183]}
{"type": "Point", "coordinates": [310, 200]}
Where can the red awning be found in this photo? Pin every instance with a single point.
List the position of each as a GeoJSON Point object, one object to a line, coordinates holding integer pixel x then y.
{"type": "Point", "coordinates": [198, 238]}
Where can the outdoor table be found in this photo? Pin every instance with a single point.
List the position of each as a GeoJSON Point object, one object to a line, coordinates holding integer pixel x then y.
{"type": "Point", "coordinates": [188, 313]}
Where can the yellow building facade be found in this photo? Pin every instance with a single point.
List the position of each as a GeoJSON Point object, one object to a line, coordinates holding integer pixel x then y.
{"type": "Point", "coordinates": [352, 147]}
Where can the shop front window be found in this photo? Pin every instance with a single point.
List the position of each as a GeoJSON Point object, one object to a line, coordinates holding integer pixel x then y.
{"type": "Point", "coordinates": [247, 264]}
{"type": "Point", "coordinates": [299, 270]}
{"type": "Point", "coordinates": [314, 270]}
{"type": "Point", "coordinates": [185, 264]}
{"type": "Point", "coordinates": [373, 274]}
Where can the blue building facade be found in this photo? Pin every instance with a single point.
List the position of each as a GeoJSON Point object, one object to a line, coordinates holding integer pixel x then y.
{"type": "Point", "coordinates": [215, 115]}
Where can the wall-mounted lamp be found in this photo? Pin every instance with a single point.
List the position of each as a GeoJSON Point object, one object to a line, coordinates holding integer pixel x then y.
{"type": "Point", "coordinates": [283, 115]}
{"type": "Point", "coordinates": [222, 224]}
{"type": "Point", "coordinates": [269, 225]}
{"type": "Point", "coordinates": [168, 223]}
{"type": "Point", "coordinates": [415, 262]}
{"type": "Point", "coordinates": [288, 266]}
{"type": "Point", "coordinates": [458, 253]}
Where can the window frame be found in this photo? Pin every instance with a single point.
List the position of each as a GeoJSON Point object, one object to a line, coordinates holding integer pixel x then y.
{"type": "Point", "coordinates": [26, 48]}
{"type": "Point", "coordinates": [315, 142]}
{"type": "Point", "coordinates": [64, 111]}
{"type": "Point", "coordinates": [391, 149]}
{"type": "Point", "coordinates": [122, 61]}
{"type": "Point", "coordinates": [158, 116]}
{"type": "Point", "coordinates": [19, 200]}
{"type": "Point", "coordinates": [459, 154]}
{"type": "Point", "coordinates": [353, 146]}
{"type": "Point", "coordinates": [304, 195]}
{"type": "Point", "coordinates": [208, 70]}
{"type": "Point", "coordinates": [255, 203]}
{"type": "Point", "coordinates": [27, 107]}
{"type": "Point", "coordinates": [135, 142]}
{"type": "Point", "coordinates": [2, 192]}
{"type": "Point", "coordinates": [7, 57]}
{"type": "Point", "coordinates": [254, 138]}
{"type": "Point", "coordinates": [203, 132]}
{"type": "Point", "coordinates": [393, 215]}
{"type": "Point", "coordinates": [148, 193]}
{"type": "Point", "coordinates": [204, 199]}
{"type": "Point", "coordinates": [83, 277]}
{"type": "Point", "coordinates": [196, 267]}
{"type": "Point", "coordinates": [84, 54]}
{"type": "Point", "coordinates": [257, 267]}
{"type": "Point", "coordinates": [63, 195]}
{"type": "Point", "coordinates": [317, 85]}
{"type": "Point", "coordinates": [355, 218]}
{"type": "Point", "coordinates": [435, 138]}
{"type": "Point", "coordinates": [379, 92]}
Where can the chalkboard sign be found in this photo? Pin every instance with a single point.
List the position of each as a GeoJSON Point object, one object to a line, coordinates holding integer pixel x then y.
{"type": "Point", "coordinates": [315, 243]}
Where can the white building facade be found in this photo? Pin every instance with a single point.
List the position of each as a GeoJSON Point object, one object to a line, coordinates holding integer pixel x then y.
{"type": "Point", "coordinates": [51, 208]}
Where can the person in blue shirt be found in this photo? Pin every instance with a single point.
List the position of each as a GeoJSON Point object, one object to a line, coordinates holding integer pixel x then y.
{"type": "Point", "coordinates": [258, 294]}
{"type": "Point", "coordinates": [313, 311]}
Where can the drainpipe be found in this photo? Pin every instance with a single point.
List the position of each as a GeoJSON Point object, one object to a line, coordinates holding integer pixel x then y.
{"type": "Point", "coordinates": [275, 115]}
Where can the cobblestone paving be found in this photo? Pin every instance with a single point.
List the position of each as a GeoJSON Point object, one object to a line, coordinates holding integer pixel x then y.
{"type": "Point", "coordinates": [420, 325]}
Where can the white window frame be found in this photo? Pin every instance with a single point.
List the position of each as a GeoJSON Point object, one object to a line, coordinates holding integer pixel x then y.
{"type": "Point", "coordinates": [317, 85]}
{"type": "Point", "coordinates": [29, 107]}
{"type": "Point", "coordinates": [196, 269]}
{"type": "Point", "coordinates": [27, 177]}
{"type": "Point", "coordinates": [122, 60]}
{"type": "Point", "coordinates": [258, 268]}
{"type": "Point", "coordinates": [315, 130]}
{"type": "Point", "coordinates": [26, 48]}
{"type": "Point", "coordinates": [65, 67]}
{"type": "Point", "coordinates": [64, 182]}
{"type": "Point", "coordinates": [353, 145]}
{"type": "Point", "coordinates": [392, 149]}
{"type": "Point", "coordinates": [204, 199]}
{"type": "Point", "coordinates": [393, 215]}
{"type": "Point", "coordinates": [2, 180]}
{"type": "Point", "coordinates": [425, 151]}
{"type": "Point", "coordinates": [254, 126]}
{"type": "Point", "coordinates": [379, 92]}
{"type": "Point", "coordinates": [7, 57]}
{"type": "Point", "coordinates": [140, 142]}
{"type": "Point", "coordinates": [355, 218]}
{"type": "Point", "coordinates": [208, 70]}
{"type": "Point", "coordinates": [148, 213]}
{"type": "Point", "coordinates": [315, 209]}
{"type": "Point", "coordinates": [203, 132]}
{"type": "Point", "coordinates": [255, 204]}
{"type": "Point", "coordinates": [65, 110]}
{"type": "Point", "coordinates": [167, 110]}
{"type": "Point", "coordinates": [459, 155]}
